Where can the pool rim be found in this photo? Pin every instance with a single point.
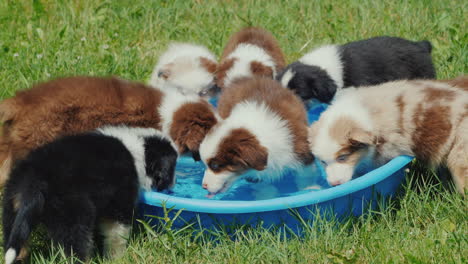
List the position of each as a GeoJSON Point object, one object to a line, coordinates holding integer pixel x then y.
{"type": "Point", "coordinates": [281, 203]}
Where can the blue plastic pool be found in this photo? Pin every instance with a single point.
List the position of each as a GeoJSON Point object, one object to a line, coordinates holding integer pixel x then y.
{"type": "Point", "coordinates": [273, 203]}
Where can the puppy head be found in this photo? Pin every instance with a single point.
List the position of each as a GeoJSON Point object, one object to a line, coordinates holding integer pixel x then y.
{"type": "Point", "coordinates": [340, 144]}
{"type": "Point", "coordinates": [190, 124]}
{"type": "Point", "coordinates": [235, 68]}
{"type": "Point", "coordinates": [308, 82]}
{"type": "Point", "coordinates": [188, 75]}
{"type": "Point", "coordinates": [160, 160]}
{"type": "Point", "coordinates": [228, 153]}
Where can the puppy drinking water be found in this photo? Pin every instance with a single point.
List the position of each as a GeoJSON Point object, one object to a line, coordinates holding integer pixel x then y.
{"type": "Point", "coordinates": [83, 182]}
{"type": "Point", "coordinates": [425, 119]}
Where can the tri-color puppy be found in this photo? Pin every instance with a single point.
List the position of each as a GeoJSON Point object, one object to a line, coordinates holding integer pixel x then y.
{"type": "Point", "coordinates": [250, 52]}
{"type": "Point", "coordinates": [322, 72]}
{"type": "Point", "coordinates": [187, 67]}
{"type": "Point", "coordinates": [421, 118]}
{"type": "Point", "coordinates": [264, 129]}
{"type": "Point", "coordinates": [83, 182]}
{"type": "Point", "coordinates": [78, 104]}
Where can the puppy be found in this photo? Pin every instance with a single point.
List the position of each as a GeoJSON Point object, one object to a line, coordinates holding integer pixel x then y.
{"type": "Point", "coordinates": [264, 129]}
{"type": "Point", "coordinates": [250, 52]}
{"type": "Point", "coordinates": [323, 71]}
{"type": "Point", "coordinates": [78, 104]}
{"type": "Point", "coordinates": [425, 119]}
{"type": "Point", "coordinates": [186, 67]}
{"type": "Point", "coordinates": [83, 182]}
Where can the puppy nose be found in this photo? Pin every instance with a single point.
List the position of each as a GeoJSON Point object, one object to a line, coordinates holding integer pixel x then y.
{"type": "Point", "coordinates": [335, 183]}
{"type": "Point", "coordinates": [205, 186]}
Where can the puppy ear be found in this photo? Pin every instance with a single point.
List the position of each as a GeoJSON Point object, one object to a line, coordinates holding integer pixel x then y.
{"type": "Point", "coordinates": [260, 69]}
{"type": "Point", "coordinates": [208, 64]}
{"type": "Point", "coordinates": [165, 71]}
{"type": "Point", "coordinates": [8, 109]}
{"type": "Point", "coordinates": [248, 152]}
{"type": "Point", "coordinates": [222, 70]}
{"type": "Point", "coordinates": [359, 137]}
{"type": "Point", "coordinates": [190, 124]}
{"type": "Point", "coordinates": [252, 156]}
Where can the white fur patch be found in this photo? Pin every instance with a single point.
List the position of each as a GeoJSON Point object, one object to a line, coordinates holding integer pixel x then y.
{"type": "Point", "coordinates": [328, 58]}
{"type": "Point", "coordinates": [269, 128]}
{"type": "Point", "coordinates": [115, 238]}
{"type": "Point", "coordinates": [245, 54]}
{"type": "Point", "coordinates": [171, 102]}
{"type": "Point", "coordinates": [10, 256]}
{"type": "Point", "coordinates": [133, 140]}
{"type": "Point", "coordinates": [186, 75]}
{"type": "Point", "coordinates": [288, 75]}
{"type": "Point", "coordinates": [345, 105]}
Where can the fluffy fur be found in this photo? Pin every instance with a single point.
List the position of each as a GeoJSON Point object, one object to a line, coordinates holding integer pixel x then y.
{"type": "Point", "coordinates": [327, 69]}
{"type": "Point", "coordinates": [186, 67]}
{"type": "Point", "coordinates": [425, 119]}
{"type": "Point", "coordinates": [264, 128]}
{"type": "Point", "coordinates": [84, 182]}
{"type": "Point", "coordinates": [78, 104]}
{"type": "Point", "coordinates": [250, 52]}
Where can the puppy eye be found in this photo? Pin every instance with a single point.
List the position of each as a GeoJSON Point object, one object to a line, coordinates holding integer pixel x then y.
{"type": "Point", "coordinates": [342, 158]}
{"type": "Point", "coordinates": [213, 165]}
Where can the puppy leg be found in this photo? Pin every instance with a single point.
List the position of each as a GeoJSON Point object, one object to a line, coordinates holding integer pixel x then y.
{"type": "Point", "coordinates": [116, 235]}
{"type": "Point", "coordinates": [71, 226]}
{"type": "Point", "coordinates": [457, 160]}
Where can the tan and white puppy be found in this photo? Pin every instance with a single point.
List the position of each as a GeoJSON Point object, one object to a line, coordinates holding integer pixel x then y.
{"type": "Point", "coordinates": [186, 67]}
{"type": "Point", "coordinates": [264, 129]}
{"type": "Point", "coordinates": [425, 119]}
{"type": "Point", "coordinates": [250, 52]}
{"type": "Point", "coordinates": [74, 105]}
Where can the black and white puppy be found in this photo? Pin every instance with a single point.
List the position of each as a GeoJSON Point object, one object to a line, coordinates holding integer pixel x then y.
{"type": "Point", "coordinates": [82, 183]}
{"type": "Point", "coordinates": [324, 70]}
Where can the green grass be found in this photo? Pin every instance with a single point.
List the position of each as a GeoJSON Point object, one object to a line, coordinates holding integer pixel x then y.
{"type": "Point", "coordinates": [40, 40]}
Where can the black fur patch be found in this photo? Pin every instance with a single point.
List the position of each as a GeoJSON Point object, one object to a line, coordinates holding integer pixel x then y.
{"type": "Point", "coordinates": [160, 161]}
{"type": "Point", "coordinates": [310, 82]}
{"type": "Point", "coordinates": [382, 59]}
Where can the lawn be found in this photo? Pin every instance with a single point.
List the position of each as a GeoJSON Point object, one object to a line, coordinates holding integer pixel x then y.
{"type": "Point", "coordinates": [43, 39]}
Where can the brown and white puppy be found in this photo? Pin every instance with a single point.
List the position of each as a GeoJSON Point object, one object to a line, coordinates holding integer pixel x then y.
{"type": "Point", "coordinates": [264, 129]}
{"type": "Point", "coordinates": [425, 119]}
{"type": "Point", "coordinates": [78, 104]}
{"type": "Point", "coordinates": [250, 52]}
{"type": "Point", "coordinates": [186, 67]}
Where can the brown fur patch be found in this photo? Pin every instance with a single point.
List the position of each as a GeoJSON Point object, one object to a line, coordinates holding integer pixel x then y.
{"type": "Point", "coordinates": [459, 82]}
{"type": "Point", "coordinates": [346, 131]}
{"type": "Point", "coordinates": [190, 124]}
{"type": "Point", "coordinates": [258, 69]}
{"type": "Point", "coordinates": [281, 101]}
{"type": "Point", "coordinates": [239, 151]}
{"type": "Point", "coordinates": [401, 112]}
{"type": "Point", "coordinates": [432, 130]}
{"type": "Point", "coordinates": [255, 36]}
{"type": "Point", "coordinates": [221, 72]}
{"type": "Point", "coordinates": [208, 64]}
{"type": "Point", "coordinates": [74, 105]}
{"type": "Point", "coordinates": [433, 94]}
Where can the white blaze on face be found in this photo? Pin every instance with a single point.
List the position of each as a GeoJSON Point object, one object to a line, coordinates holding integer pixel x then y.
{"type": "Point", "coordinates": [218, 182]}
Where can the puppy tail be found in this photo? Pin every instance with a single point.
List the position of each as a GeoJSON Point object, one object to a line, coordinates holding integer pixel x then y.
{"type": "Point", "coordinates": [30, 208]}
{"type": "Point", "coordinates": [426, 44]}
